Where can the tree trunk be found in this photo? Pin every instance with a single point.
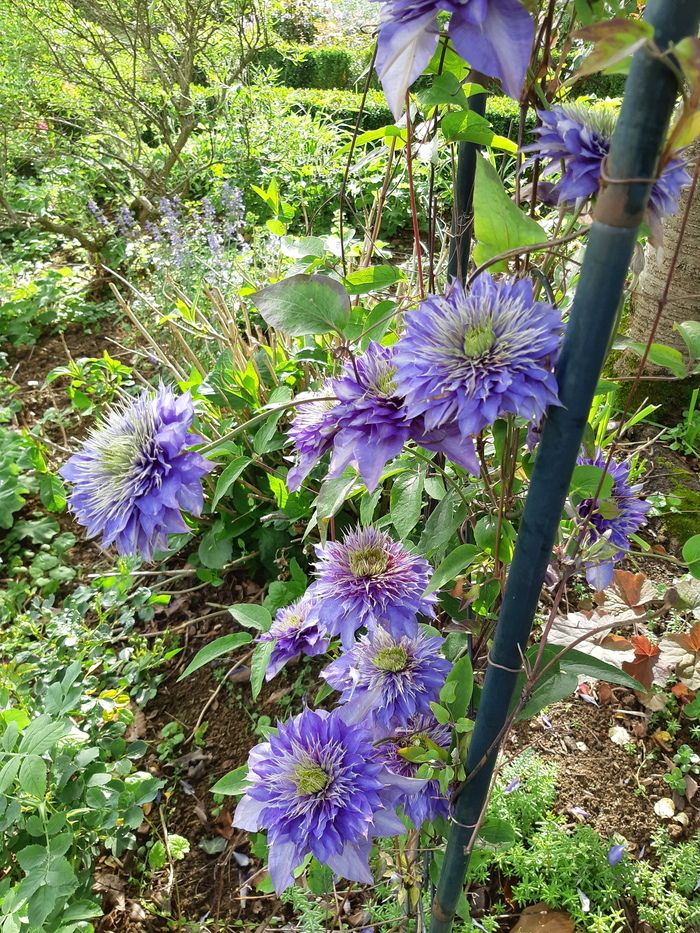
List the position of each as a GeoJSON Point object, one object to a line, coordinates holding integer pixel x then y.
{"type": "Point", "coordinates": [684, 296]}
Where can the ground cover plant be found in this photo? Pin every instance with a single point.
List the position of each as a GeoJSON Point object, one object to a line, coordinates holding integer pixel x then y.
{"type": "Point", "coordinates": [290, 376]}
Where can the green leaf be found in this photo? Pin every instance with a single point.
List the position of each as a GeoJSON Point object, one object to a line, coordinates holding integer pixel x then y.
{"type": "Point", "coordinates": [304, 305]}
{"type": "Point", "coordinates": [690, 332]}
{"type": "Point", "coordinates": [498, 224]}
{"type": "Point", "coordinates": [486, 532]}
{"type": "Point", "coordinates": [691, 555]}
{"type": "Point", "coordinates": [586, 479]}
{"type": "Point", "coordinates": [585, 665]}
{"type": "Point", "coordinates": [214, 650]}
{"type": "Point", "coordinates": [232, 784]}
{"type": "Point", "coordinates": [32, 776]}
{"type": "Point", "coordinates": [41, 735]}
{"type": "Point", "coordinates": [556, 686]}
{"type": "Point", "coordinates": [441, 714]}
{"type": "Point", "coordinates": [251, 616]}
{"type": "Point", "coordinates": [216, 547]}
{"type": "Point", "coordinates": [333, 494]}
{"type": "Point", "coordinates": [659, 355]}
{"type": "Point", "coordinates": [406, 500]}
{"type": "Point", "coordinates": [442, 523]}
{"type": "Point", "coordinates": [229, 476]}
{"type": "Point", "coordinates": [614, 40]}
{"type": "Point", "coordinates": [52, 492]}
{"type": "Point", "coordinates": [453, 566]}
{"type": "Point", "coordinates": [258, 665]}
{"type": "Point", "coordinates": [496, 834]}
{"type": "Point", "coordinates": [446, 89]}
{"type": "Point", "coordinates": [374, 278]}
{"type": "Point", "coordinates": [461, 678]}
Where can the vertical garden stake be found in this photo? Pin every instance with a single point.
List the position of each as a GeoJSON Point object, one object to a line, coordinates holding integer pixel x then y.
{"type": "Point", "coordinates": [462, 213]}
{"type": "Point", "coordinates": [632, 163]}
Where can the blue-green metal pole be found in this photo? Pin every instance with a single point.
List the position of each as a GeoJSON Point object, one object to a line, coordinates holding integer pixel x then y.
{"type": "Point", "coordinates": [641, 129]}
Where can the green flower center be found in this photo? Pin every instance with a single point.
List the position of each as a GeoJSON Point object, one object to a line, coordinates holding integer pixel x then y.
{"type": "Point", "coordinates": [120, 455]}
{"type": "Point", "coordinates": [393, 659]}
{"type": "Point", "coordinates": [386, 384]}
{"type": "Point", "coordinates": [310, 779]}
{"type": "Point", "coordinates": [290, 622]}
{"type": "Point", "coordinates": [368, 562]}
{"type": "Point", "coordinates": [478, 340]}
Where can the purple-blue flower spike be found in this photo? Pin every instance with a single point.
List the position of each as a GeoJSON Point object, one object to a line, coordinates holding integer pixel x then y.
{"type": "Point", "coordinates": [368, 579]}
{"type": "Point", "coordinates": [494, 36]}
{"type": "Point", "coordinates": [468, 358]}
{"type": "Point", "coordinates": [134, 475]}
{"type": "Point", "coordinates": [385, 681]}
{"type": "Point", "coordinates": [317, 787]}
{"type": "Point", "coordinates": [295, 631]}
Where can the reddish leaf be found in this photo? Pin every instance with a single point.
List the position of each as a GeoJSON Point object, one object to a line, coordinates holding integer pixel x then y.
{"type": "Point", "coordinates": [614, 40]}
{"type": "Point", "coordinates": [681, 691]}
{"type": "Point", "coordinates": [691, 641]}
{"type": "Point", "coordinates": [642, 668]}
{"type": "Point", "coordinates": [643, 648]}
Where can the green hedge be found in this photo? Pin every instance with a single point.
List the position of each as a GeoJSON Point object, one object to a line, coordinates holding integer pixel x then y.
{"type": "Point", "coordinates": [342, 107]}
{"type": "Point", "coordinates": [320, 67]}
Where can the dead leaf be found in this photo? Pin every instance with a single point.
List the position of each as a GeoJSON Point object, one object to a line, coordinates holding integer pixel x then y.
{"type": "Point", "coordinates": [223, 824]}
{"type": "Point", "coordinates": [112, 888]}
{"type": "Point", "coordinates": [628, 595]}
{"type": "Point", "coordinates": [681, 691]}
{"type": "Point", "coordinates": [682, 652]}
{"type": "Point", "coordinates": [137, 729]}
{"type": "Point", "coordinates": [602, 645]}
{"type": "Point", "coordinates": [644, 664]}
{"type": "Point", "coordinates": [663, 738]}
{"type": "Point", "coordinates": [542, 919]}
{"type": "Point", "coordinates": [605, 694]}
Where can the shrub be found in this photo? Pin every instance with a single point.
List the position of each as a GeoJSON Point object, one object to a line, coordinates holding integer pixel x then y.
{"type": "Point", "coordinates": [324, 67]}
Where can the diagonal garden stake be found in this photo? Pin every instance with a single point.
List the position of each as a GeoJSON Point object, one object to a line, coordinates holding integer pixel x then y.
{"type": "Point", "coordinates": [650, 94]}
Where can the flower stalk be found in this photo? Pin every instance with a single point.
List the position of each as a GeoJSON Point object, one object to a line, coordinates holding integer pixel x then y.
{"type": "Point", "coordinates": [634, 154]}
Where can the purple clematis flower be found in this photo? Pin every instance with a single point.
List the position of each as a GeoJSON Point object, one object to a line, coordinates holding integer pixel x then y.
{"type": "Point", "coordinates": [575, 138]}
{"type": "Point", "coordinates": [317, 787]}
{"type": "Point", "coordinates": [134, 475]}
{"type": "Point", "coordinates": [421, 732]}
{"type": "Point", "coordinates": [368, 425]}
{"type": "Point", "coordinates": [494, 36]}
{"type": "Point", "coordinates": [295, 631]}
{"type": "Point", "coordinates": [368, 579]}
{"type": "Point", "coordinates": [469, 358]}
{"type": "Point", "coordinates": [385, 681]}
{"type": "Point", "coordinates": [616, 529]}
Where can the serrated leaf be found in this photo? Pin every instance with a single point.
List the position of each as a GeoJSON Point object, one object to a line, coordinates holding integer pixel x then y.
{"type": "Point", "coordinates": [304, 305]}
{"type": "Point", "coordinates": [214, 650]}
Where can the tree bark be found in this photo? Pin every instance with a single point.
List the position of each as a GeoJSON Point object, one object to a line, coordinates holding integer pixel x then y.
{"type": "Point", "coordinates": [684, 295]}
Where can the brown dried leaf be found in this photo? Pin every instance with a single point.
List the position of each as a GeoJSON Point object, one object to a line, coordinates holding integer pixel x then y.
{"type": "Point", "coordinates": [629, 594]}
{"type": "Point", "coordinates": [682, 652]}
{"type": "Point", "coordinates": [603, 645]}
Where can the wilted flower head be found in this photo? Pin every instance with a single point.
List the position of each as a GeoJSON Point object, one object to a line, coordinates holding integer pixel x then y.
{"type": "Point", "coordinates": [575, 138]}
{"type": "Point", "coordinates": [494, 36]}
{"type": "Point", "coordinates": [317, 787]}
{"type": "Point", "coordinates": [368, 425]}
{"type": "Point", "coordinates": [626, 513]}
{"type": "Point", "coordinates": [470, 357]}
{"type": "Point", "coordinates": [386, 681]}
{"type": "Point", "coordinates": [134, 476]}
{"type": "Point", "coordinates": [295, 631]}
{"type": "Point", "coordinates": [367, 579]}
{"type": "Point", "coordinates": [422, 732]}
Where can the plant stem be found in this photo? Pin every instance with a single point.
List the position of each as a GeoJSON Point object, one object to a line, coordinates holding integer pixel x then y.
{"type": "Point", "coordinates": [637, 141]}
